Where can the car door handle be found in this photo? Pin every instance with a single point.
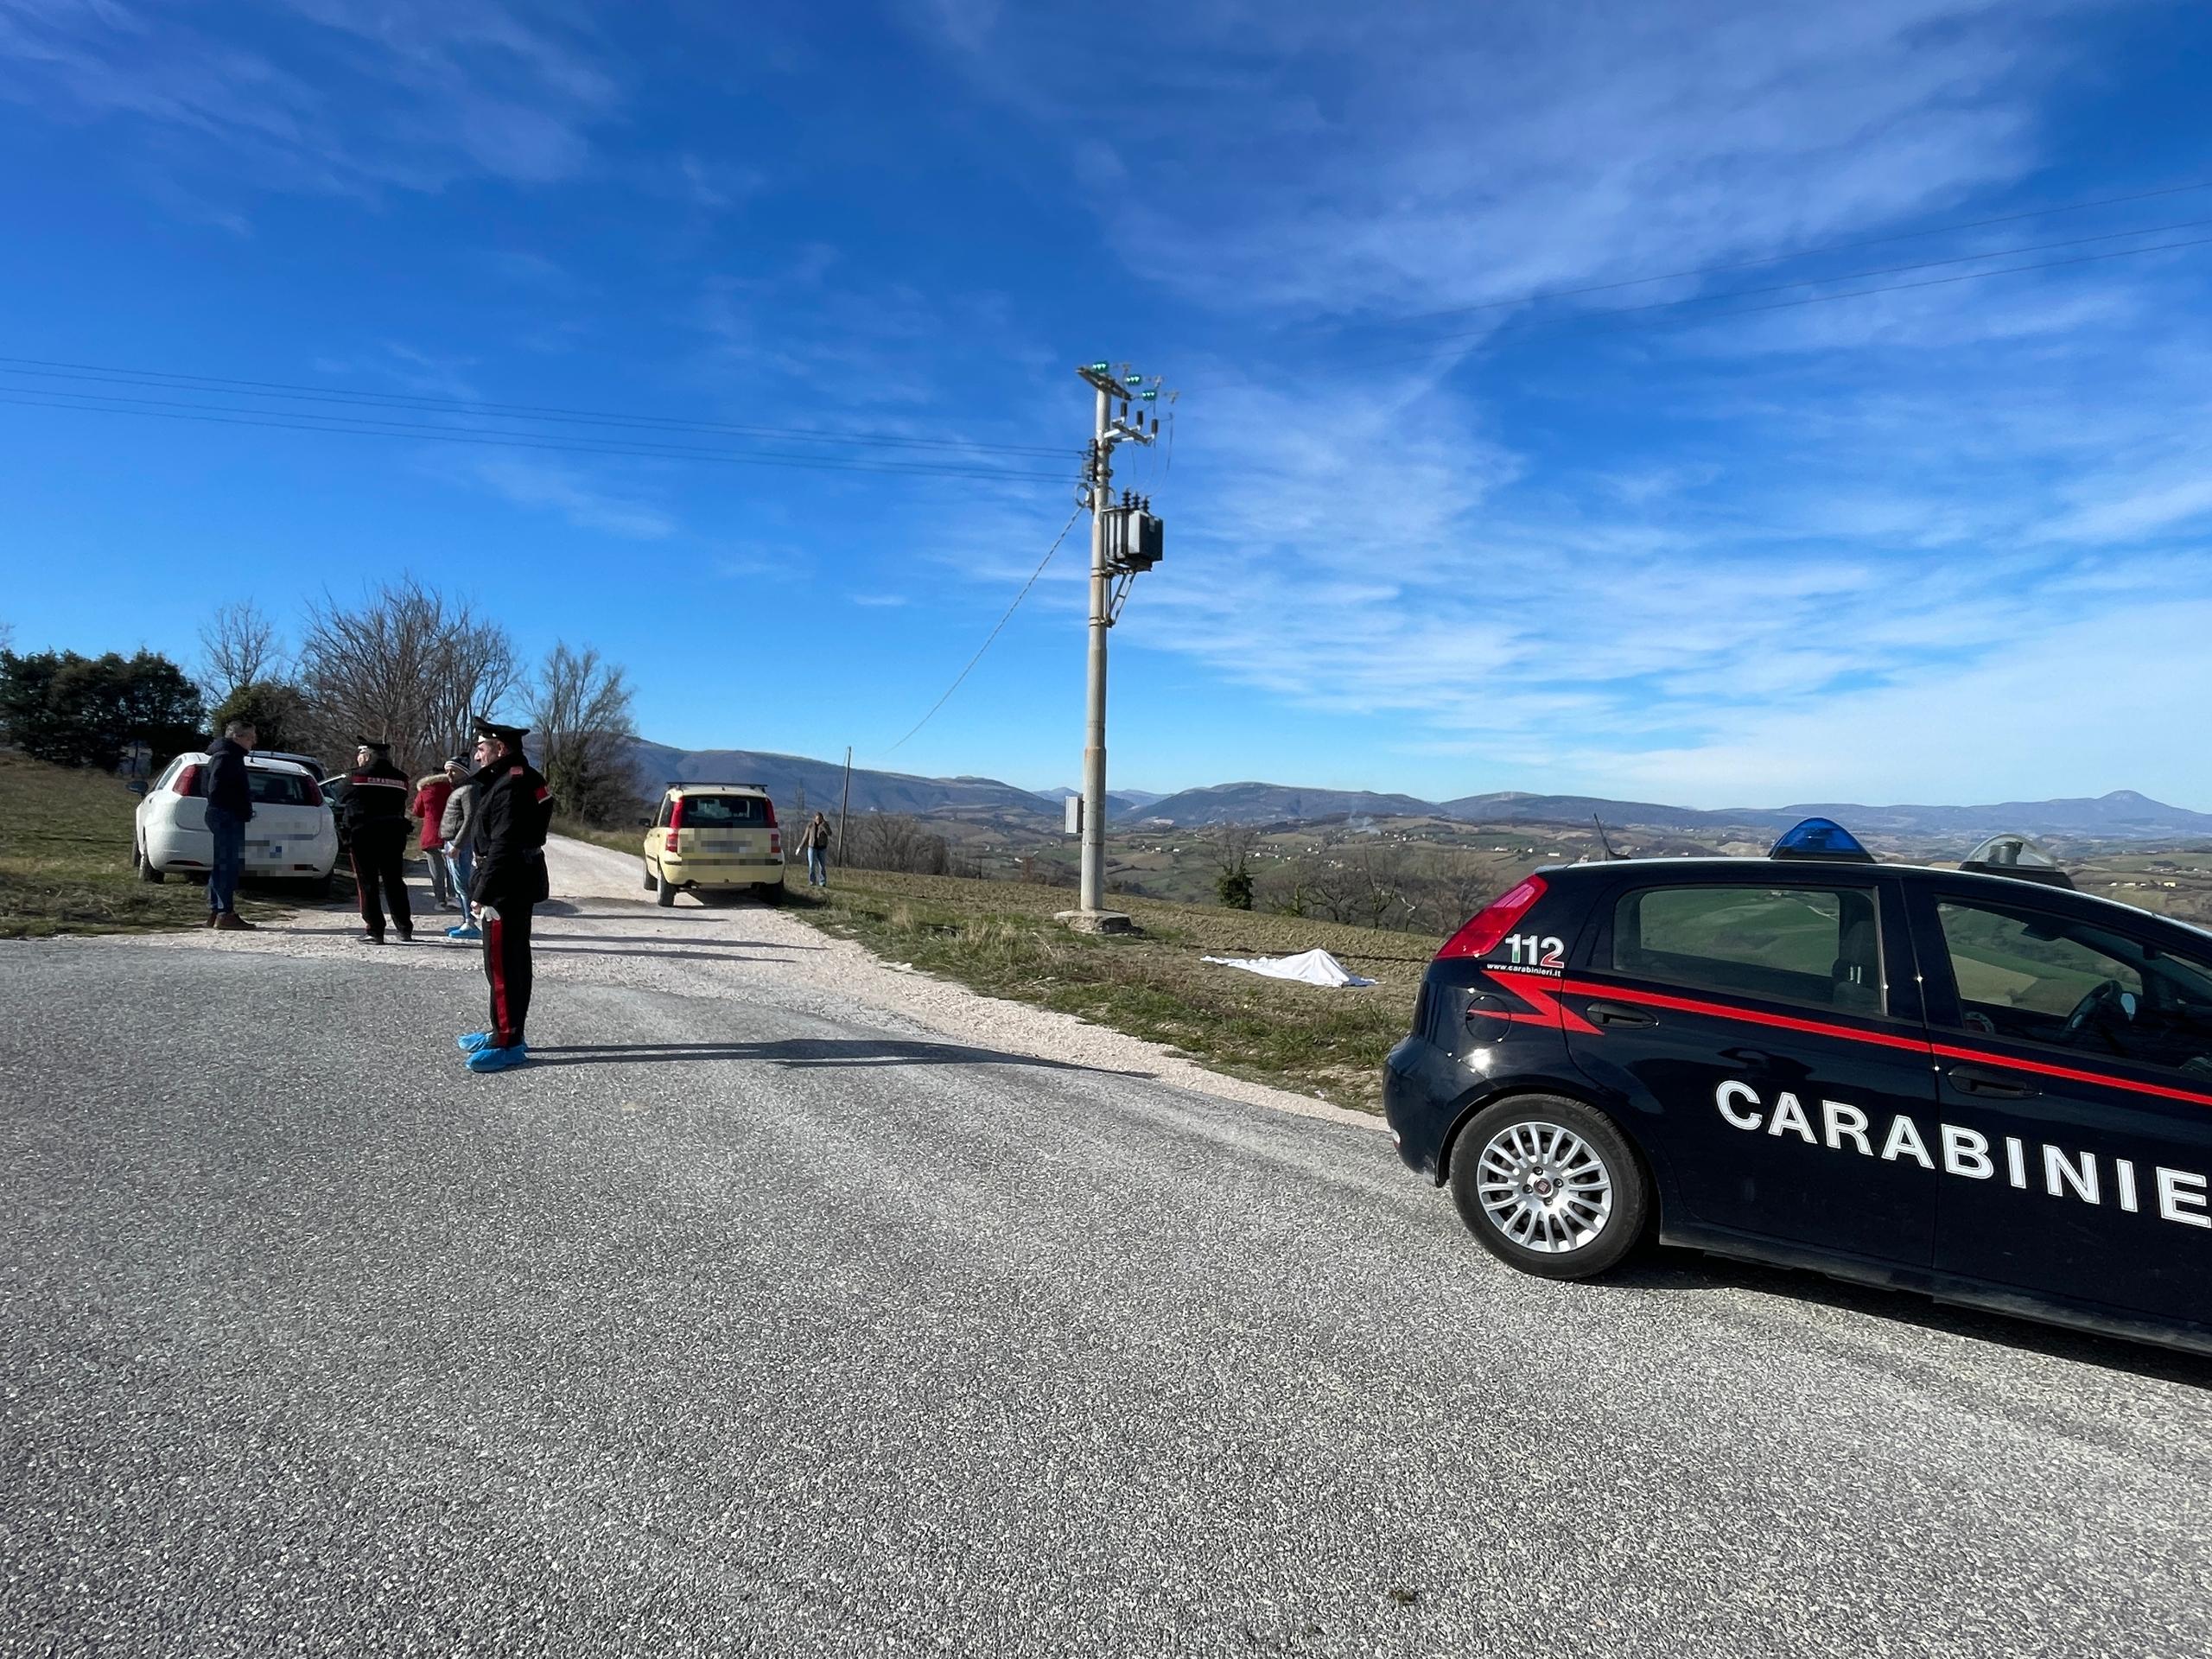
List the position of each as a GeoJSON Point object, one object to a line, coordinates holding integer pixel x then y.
{"type": "Point", "coordinates": [1612, 1013]}
{"type": "Point", "coordinates": [1991, 1085]}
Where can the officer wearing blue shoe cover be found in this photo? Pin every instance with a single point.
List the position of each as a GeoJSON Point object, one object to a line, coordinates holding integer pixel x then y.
{"type": "Point", "coordinates": [513, 808]}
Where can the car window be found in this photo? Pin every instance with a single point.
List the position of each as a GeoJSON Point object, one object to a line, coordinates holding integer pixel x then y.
{"type": "Point", "coordinates": [169, 773]}
{"type": "Point", "coordinates": [724, 812]}
{"type": "Point", "coordinates": [279, 788]}
{"type": "Point", "coordinates": [1800, 944]}
{"type": "Point", "coordinates": [2044, 978]}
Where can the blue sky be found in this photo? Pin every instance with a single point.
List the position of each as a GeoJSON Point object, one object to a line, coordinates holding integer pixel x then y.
{"type": "Point", "coordinates": [1944, 541]}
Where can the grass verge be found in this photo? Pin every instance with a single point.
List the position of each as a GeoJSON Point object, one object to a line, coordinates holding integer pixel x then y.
{"type": "Point", "coordinates": [64, 860]}
{"type": "Point", "coordinates": [998, 937]}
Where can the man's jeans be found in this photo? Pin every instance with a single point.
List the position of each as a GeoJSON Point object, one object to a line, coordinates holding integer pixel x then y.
{"type": "Point", "coordinates": [229, 832]}
{"type": "Point", "coordinates": [815, 877]}
{"type": "Point", "coordinates": [464, 868]}
{"type": "Point", "coordinates": [440, 875]}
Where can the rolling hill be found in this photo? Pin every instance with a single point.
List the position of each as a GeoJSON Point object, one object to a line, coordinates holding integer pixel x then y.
{"type": "Point", "coordinates": [790, 777]}
{"type": "Point", "coordinates": [2123, 814]}
{"type": "Point", "coordinates": [1279, 803]}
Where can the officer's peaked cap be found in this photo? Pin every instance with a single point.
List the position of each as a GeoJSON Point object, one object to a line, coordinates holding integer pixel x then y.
{"type": "Point", "coordinates": [508, 734]}
{"type": "Point", "coordinates": [378, 743]}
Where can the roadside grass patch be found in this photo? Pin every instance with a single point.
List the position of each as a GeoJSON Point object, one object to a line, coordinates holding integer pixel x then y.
{"type": "Point", "coordinates": [64, 860]}
{"type": "Point", "coordinates": [998, 937]}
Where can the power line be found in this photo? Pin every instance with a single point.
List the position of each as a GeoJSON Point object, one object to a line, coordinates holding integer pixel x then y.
{"type": "Point", "coordinates": [1535, 296]}
{"type": "Point", "coordinates": [993, 634]}
{"type": "Point", "coordinates": [91, 403]}
{"type": "Point", "coordinates": [162, 379]}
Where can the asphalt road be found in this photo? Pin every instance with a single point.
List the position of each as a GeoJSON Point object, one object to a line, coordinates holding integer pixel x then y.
{"type": "Point", "coordinates": [740, 1324]}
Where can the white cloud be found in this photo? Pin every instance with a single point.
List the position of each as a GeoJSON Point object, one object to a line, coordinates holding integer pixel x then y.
{"type": "Point", "coordinates": [345, 96]}
{"type": "Point", "coordinates": [537, 484]}
{"type": "Point", "coordinates": [2098, 691]}
{"type": "Point", "coordinates": [2143, 508]}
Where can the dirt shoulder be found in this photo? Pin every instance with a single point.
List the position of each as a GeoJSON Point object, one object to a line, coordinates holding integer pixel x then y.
{"type": "Point", "coordinates": [848, 969]}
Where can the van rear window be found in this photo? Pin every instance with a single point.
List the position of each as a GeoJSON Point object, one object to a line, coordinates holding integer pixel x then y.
{"type": "Point", "coordinates": [725, 812]}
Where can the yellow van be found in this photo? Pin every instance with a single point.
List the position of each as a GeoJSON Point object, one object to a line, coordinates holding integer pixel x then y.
{"type": "Point", "coordinates": [713, 839]}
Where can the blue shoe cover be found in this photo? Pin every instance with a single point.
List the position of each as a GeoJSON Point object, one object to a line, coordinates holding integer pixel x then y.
{"type": "Point", "coordinates": [464, 932]}
{"type": "Point", "coordinates": [469, 1042]}
{"type": "Point", "coordinates": [498, 1060]}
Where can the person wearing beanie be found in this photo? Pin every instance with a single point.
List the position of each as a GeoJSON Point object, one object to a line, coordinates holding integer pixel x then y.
{"type": "Point", "coordinates": [429, 807]}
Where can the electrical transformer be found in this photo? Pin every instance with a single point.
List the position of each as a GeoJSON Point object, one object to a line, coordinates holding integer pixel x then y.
{"type": "Point", "coordinates": [1135, 540]}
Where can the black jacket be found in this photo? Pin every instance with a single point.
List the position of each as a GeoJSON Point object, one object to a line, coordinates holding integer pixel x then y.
{"type": "Point", "coordinates": [513, 810]}
{"type": "Point", "coordinates": [227, 787]}
{"type": "Point", "coordinates": [376, 797]}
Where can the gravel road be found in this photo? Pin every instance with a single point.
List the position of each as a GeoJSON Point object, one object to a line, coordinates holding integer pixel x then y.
{"type": "Point", "coordinates": [792, 1305]}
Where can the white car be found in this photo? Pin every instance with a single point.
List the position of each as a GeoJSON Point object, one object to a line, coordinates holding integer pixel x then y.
{"type": "Point", "coordinates": [291, 836]}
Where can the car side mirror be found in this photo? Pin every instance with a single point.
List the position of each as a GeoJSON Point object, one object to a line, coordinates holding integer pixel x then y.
{"type": "Point", "coordinates": [644, 824]}
{"type": "Point", "coordinates": [137, 786]}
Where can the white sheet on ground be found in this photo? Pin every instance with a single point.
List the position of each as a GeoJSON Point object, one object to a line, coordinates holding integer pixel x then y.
{"type": "Point", "coordinates": [1313, 966]}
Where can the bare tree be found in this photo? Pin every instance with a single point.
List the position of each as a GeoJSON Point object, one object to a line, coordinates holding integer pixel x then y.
{"type": "Point", "coordinates": [1380, 880]}
{"type": "Point", "coordinates": [890, 841]}
{"type": "Point", "coordinates": [238, 647]}
{"type": "Point", "coordinates": [581, 718]}
{"type": "Point", "coordinates": [408, 664]}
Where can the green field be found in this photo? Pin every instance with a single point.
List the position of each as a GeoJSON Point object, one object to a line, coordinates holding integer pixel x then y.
{"type": "Point", "coordinates": [64, 859]}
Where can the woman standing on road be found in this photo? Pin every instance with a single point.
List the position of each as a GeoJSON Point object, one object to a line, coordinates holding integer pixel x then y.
{"type": "Point", "coordinates": [814, 842]}
{"type": "Point", "coordinates": [430, 805]}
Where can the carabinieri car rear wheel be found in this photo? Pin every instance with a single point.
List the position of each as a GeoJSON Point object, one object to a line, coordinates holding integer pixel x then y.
{"type": "Point", "coordinates": [1549, 1187]}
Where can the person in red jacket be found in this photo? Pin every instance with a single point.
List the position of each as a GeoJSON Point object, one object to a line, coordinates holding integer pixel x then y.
{"type": "Point", "coordinates": [431, 794]}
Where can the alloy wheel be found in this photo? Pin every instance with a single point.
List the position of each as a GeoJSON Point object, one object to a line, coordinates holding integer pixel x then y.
{"type": "Point", "coordinates": [1544, 1187]}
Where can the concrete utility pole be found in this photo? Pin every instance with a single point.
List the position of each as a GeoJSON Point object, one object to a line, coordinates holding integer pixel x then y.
{"type": "Point", "coordinates": [845, 801]}
{"type": "Point", "coordinates": [1124, 540]}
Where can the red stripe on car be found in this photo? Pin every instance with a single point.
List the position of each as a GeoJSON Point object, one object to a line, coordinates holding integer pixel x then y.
{"type": "Point", "coordinates": [1881, 1039]}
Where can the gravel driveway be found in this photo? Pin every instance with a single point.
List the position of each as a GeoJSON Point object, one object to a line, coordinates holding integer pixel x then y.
{"type": "Point", "coordinates": [762, 1316]}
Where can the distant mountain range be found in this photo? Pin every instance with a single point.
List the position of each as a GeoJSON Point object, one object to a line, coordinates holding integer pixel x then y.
{"type": "Point", "coordinates": [2121, 816]}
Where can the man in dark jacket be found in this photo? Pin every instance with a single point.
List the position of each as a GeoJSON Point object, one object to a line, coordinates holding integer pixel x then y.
{"type": "Point", "coordinates": [377, 794]}
{"type": "Point", "coordinates": [229, 804]}
{"type": "Point", "coordinates": [513, 808]}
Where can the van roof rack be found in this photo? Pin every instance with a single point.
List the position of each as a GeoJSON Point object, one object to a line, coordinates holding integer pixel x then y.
{"type": "Point", "coordinates": [708, 783]}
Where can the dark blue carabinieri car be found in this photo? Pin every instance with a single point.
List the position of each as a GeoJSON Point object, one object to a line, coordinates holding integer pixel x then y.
{"type": "Point", "coordinates": [1973, 1083]}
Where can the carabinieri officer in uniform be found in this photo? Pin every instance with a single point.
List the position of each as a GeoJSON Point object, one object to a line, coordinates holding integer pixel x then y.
{"type": "Point", "coordinates": [513, 808]}
{"type": "Point", "coordinates": [376, 834]}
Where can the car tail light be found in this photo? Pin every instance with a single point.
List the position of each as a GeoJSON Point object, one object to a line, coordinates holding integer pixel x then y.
{"type": "Point", "coordinates": [675, 824]}
{"type": "Point", "coordinates": [314, 793]}
{"type": "Point", "coordinates": [1494, 921]}
{"type": "Point", "coordinates": [775, 843]}
{"type": "Point", "coordinates": [771, 805]}
{"type": "Point", "coordinates": [188, 781]}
